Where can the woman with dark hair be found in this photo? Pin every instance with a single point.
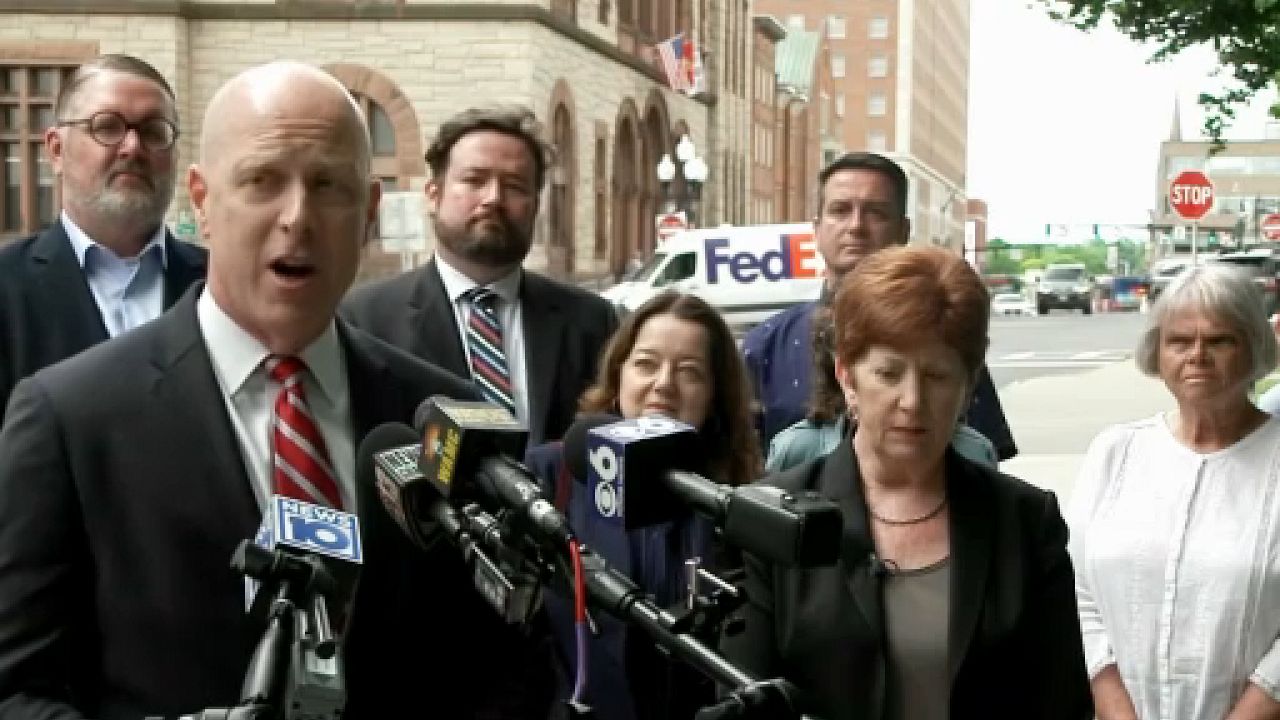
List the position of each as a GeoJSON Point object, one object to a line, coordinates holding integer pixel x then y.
{"type": "Point", "coordinates": [673, 356]}
{"type": "Point", "coordinates": [953, 594]}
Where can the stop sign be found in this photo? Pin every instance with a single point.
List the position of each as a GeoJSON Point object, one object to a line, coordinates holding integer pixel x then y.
{"type": "Point", "coordinates": [1271, 226]}
{"type": "Point", "coordinates": [1191, 195]}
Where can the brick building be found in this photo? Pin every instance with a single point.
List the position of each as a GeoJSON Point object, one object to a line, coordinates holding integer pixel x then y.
{"type": "Point", "coordinates": [586, 67]}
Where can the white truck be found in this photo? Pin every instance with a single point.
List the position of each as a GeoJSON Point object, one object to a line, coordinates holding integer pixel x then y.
{"type": "Point", "coordinates": [747, 272]}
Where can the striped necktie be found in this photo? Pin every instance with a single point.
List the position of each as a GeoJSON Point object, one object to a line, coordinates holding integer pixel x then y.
{"type": "Point", "coordinates": [300, 467]}
{"type": "Point", "coordinates": [484, 344]}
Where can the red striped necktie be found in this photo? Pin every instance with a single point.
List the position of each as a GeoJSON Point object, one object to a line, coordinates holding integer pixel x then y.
{"type": "Point", "coordinates": [301, 468]}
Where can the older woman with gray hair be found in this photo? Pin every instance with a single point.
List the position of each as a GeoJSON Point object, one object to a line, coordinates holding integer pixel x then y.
{"type": "Point", "coordinates": [1175, 522]}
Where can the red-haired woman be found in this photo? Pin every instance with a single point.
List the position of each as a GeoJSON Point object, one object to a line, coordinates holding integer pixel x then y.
{"type": "Point", "coordinates": [954, 594]}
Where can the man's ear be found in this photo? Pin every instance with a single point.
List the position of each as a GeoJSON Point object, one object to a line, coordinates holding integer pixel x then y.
{"type": "Point", "coordinates": [906, 231]}
{"type": "Point", "coordinates": [198, 191]}
{"type": "Point", "coordinates": [54, 146]}
{"type": "Point", "coordinates": [375, 201]}
{"type": "Point", "coordinates": [432, 191]}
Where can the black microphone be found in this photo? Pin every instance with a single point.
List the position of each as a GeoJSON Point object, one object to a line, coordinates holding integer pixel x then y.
{"type": "Point", "coordinates": [467, 449]}
{"type": "Point", "coordinates": [388, 458]}
{"type": "Point", "coordinates": [638, 473]}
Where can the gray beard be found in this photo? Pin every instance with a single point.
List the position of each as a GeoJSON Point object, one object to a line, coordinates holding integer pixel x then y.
{"type": "Point", "coordinates": [132, 207]}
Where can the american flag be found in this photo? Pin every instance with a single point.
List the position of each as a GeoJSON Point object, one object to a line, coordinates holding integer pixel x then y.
{"type": "Point", "coordinates": [677, 55]}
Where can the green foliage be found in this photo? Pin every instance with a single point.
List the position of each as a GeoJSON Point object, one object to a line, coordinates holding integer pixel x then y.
{"type": "Point", "coordinates": [1243, 32]}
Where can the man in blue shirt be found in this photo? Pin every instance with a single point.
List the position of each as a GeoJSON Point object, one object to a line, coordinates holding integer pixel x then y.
{"type": "Point", "coordinates": [107, 264]}
{"type": "Point", "coordinates": [862, 208]}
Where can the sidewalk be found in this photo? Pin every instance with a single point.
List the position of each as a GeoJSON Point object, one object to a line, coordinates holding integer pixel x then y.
{"type": "Point", "coordinates": [1055, 417]}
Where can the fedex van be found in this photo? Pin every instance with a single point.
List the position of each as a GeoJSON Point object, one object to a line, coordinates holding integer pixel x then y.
{"type": "Point", "coordinates": [748, 273]}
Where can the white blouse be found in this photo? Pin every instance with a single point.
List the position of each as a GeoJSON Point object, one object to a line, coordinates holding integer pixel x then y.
{"type": "Point", "coordinates": [1177, 558]}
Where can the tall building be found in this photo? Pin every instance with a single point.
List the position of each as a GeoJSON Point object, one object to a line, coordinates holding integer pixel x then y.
{"type": "Point", "coordinates": [901, 75]}
{"type": "Point", "coordinates": [588, 68]}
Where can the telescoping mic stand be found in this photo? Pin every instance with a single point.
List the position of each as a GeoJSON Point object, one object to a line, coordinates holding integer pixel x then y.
{"type": "Point", "coordinates": [748, 699]}
{"type": "Point", "coordinates": [295, 672]}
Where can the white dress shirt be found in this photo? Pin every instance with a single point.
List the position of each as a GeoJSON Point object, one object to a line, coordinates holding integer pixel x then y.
{"type": "Point", "coordinates": [1177, 559]}
{"type": "Point", "coordinates": [128, 291]}
{"type": "Point", "coordinates": [509, 314]}
{"type": "Point", "coordinates": [250, 396]}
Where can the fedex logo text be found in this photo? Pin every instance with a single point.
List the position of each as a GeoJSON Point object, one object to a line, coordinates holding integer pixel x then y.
{"type": "Point", "coordinates": [795, 257]}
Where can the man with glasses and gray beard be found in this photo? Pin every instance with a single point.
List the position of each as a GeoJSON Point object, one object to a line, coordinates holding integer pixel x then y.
{"type": "Point", "coordinates": [108, 264]}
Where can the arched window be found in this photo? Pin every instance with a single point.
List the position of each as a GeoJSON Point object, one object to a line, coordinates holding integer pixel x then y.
{"type": "Point", "coordinates": [382, 136]}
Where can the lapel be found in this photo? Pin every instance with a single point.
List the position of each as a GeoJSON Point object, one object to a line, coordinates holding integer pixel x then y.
{"type": "Point", "coordinates": [841, 481]}
{"type": "Point", "coordinates": [544, 325]}
{"type": "Point", "coordinates": [433, 327]}
{"type": "Point", "coordinates": [185, 265]}
{"type": "Point", "coordinates": [971, 507]}
{"type": "Point", "coordinates": [186, 393]}
{"type": "Point", "coordinates": [62, 291]}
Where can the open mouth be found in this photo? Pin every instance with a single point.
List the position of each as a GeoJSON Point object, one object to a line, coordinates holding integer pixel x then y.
{"type": "Point", "coordinates": [292, 269]}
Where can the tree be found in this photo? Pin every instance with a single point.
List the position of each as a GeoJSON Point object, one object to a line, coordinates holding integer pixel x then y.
{"type": "Point", "coordinates": [1243, 32]}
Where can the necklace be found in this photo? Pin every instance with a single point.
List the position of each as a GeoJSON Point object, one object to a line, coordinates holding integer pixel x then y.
{"type": "Point", "coordinates": [913, 521]}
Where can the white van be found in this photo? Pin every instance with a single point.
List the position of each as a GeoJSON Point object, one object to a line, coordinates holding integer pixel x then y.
{"type": "Point", "coordinates": [748, 273]}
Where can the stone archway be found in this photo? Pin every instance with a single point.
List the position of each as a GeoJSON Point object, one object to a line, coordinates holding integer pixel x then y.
{"type": "Point", "coordinates": [564, 183]}
{"type": "Point", "coordinates": [655, 141]}
{"type": "Point", "coordinates": [396, 140]}
{"type": "Point", "coordinates": [626, 187]}
{"type": "Point", "coordinates": [407, 158]}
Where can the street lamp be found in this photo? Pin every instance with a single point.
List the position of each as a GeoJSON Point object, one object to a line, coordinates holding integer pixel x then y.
{"type": "Point", "coordinates": [684, 149]}
{"type": "Point", "coordinates": [695, 173]}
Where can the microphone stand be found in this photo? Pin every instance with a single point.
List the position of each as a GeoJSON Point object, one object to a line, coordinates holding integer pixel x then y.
{"type": "Point", "coordinates": [294, 673]}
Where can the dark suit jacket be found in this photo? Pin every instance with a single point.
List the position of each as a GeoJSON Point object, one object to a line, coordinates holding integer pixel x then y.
{"type": "Point", "coordinates": [122, 496]}
{"type": "Point", "coordinates": [565, 331]}
{"type": "Point", "coordinates": [47, 311]}
{"type": "Point", "coordinates": [1014, 639]}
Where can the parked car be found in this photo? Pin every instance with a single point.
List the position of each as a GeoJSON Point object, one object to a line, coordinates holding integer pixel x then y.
{"type": "Point", "coordinates": [1011, 303]}
{"type": "Point", "coordinates": [1263, 266]}
{"type": "Point", "coordinates": [1126, 293]}
{"type": "Point", "coordinates": [1065, 285]}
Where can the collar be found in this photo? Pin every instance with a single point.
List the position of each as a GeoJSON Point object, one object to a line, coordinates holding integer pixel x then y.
{"type": "Point", "coordinates": [236, 354]}
{"type": "Point", "coordinates": [455, 283]}
{"type": "Point", "coordinates": [81, 243]}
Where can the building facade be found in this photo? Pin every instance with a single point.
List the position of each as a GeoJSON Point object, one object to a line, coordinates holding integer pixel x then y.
{"type": "Point", "coordinates": [1246, 184]}
{"type": "Point", "coordinates": [900, 70]}
{"type": "Point", "coordinates": [586, 67]}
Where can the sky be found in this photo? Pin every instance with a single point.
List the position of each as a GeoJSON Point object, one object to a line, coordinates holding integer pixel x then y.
{"type": "Point", "coordinates": [1065, 126]}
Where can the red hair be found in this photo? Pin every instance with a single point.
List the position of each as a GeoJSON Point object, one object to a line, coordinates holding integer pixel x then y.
{"type": "Point", "coordinates": [902, 296]}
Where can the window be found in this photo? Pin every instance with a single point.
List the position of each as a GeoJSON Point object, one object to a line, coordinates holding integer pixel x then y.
{"type": "Point", "coordinates": [29, 197]}
{"type": "Point", "coordinates": [835, 26]}
{"type": "Point", "coordinates": [877, 105]}
{"type": "Point", "coordinates": [837, 65]}
{"type": "Point", "coordinates": [839, 104]}
{"type": "Point", "coordinates": [598, 177]}
{"type": "Point", "coordinates": [382, 138]}
{"type": "Point", "coordinates": [879, 28]}
{"type": "Point", "coordinates": [795, 21]}
{"type": "Point", "coordinates": [876, 141]}
{"type": "Point", "coordinates": [878, 66]}
{"type": "Point", "coordinates": [680, 268]}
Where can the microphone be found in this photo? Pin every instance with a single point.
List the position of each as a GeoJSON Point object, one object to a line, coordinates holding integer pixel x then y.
{"type": "Point", "coordinates": [638, 473]}
{"type": "Point", "coordinates": [388, 458]}
{"type": "Point", "coordinates": [467, 449]}
{"type": "Point", "coordinates": [313, 534]}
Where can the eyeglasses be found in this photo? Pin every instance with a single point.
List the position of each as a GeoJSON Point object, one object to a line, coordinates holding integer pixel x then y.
{"type": "Point", "coordinates": [108, 129]}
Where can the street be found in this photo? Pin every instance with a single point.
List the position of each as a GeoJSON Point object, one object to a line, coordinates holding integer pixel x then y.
{"type": "Point", "coordinates": [1062, 378]}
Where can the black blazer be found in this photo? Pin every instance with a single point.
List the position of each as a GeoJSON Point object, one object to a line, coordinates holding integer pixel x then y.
{"type": "Point", "coordinates": [122, 496]}
{"type": "Point", "coordinates": [565, 331]}
{"type": "Point", "coordinates": [1014, 638]}
{"type": "Point", "coordinates": [47, 311]}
